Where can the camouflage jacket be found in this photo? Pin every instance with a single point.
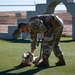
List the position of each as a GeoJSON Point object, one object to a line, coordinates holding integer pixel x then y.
{"type": "Point", "coordinates": [50, 22]}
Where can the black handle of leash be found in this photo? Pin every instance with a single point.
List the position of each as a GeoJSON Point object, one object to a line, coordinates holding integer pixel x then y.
{"type": "Point", "coordinates": [38, 42]}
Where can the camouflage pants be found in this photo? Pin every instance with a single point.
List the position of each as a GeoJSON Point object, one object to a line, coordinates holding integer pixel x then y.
{"type": "Point", "coordinates": [53, 44]}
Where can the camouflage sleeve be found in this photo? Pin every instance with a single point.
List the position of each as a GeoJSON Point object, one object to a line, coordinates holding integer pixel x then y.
{"type": "Point", "coordinates": [34, 39]}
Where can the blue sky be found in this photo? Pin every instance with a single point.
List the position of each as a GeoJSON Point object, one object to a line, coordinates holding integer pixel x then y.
{"type": "Point", "coordinates": [23, 2]}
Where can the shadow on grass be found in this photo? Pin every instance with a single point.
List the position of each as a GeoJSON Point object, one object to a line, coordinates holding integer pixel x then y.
{"type": "Point", "coordinates": [67, 41]}
{"type": "Point", "coordinates": [29, 41]}
{"type": "Point", "coordinates": [18, 41]}
{"type": "Point", "coordinates": [32, 71]}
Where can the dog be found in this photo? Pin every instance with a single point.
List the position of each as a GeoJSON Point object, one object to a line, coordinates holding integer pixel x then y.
{"type": "Point", "coordinates": [28, 59]}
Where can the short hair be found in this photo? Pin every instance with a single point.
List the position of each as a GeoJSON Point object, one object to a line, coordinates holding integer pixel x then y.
{"type": "Point", "coordinates": [21, 24]}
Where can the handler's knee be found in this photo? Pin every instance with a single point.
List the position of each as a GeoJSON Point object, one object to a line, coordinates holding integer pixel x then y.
{"type": "Point", "coordinates": [46, 51]}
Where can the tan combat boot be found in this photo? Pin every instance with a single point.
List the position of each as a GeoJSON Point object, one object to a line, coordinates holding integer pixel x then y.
{"type": "Point", "coordinates": [61, 62]}
{"type": "Point", "coordinates": [43, 63]}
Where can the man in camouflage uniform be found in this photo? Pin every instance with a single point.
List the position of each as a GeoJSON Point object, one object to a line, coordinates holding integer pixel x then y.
{"type": "Point", "coordinates": [52, 27]}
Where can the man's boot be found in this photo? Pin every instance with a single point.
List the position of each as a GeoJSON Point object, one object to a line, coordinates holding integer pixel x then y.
{"type": "Point", "coordinates": [61, 61]}
{"type": "Point", "coordinates": [43, 63]}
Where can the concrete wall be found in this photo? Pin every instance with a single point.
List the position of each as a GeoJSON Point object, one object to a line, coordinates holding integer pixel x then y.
{"type": "Point", "coordinates": [9, 34]}
{"type": "Point", "coordinates": [47, 7]}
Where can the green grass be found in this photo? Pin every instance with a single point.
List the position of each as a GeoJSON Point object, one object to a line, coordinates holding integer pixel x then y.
{"type": "Point", "coordinates": [11, 52]}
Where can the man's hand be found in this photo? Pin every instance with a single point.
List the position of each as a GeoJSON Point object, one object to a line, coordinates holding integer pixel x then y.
{"type": "Point", "coordinates": [32, 50]}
